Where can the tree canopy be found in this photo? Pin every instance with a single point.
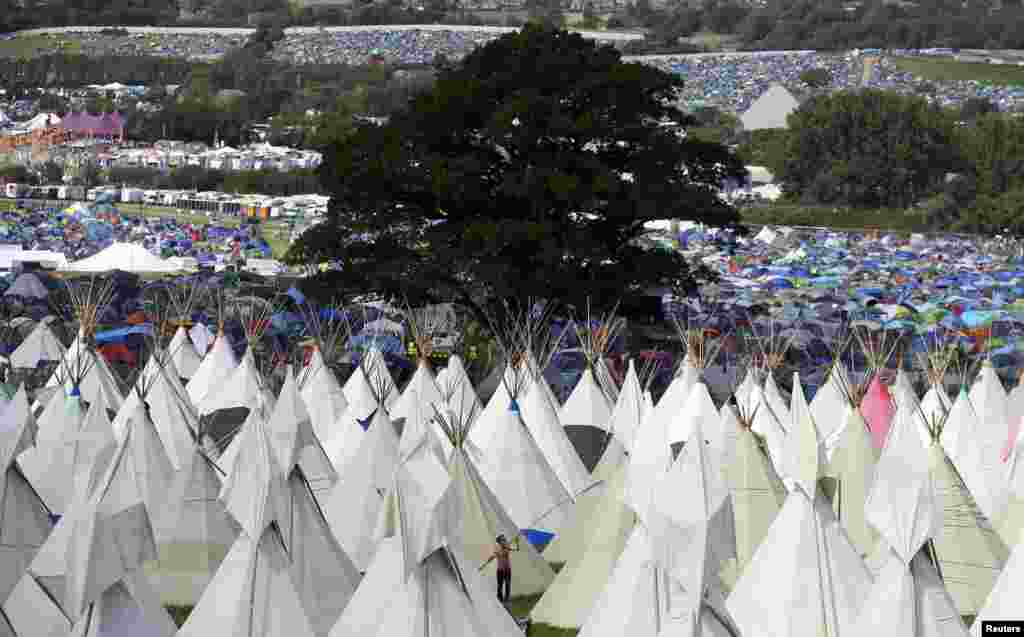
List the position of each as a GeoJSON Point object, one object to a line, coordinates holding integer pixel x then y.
{"type": "Point", "coordinates": [868, 148]}
{"type": "Point", "coordinates": [528, 170]}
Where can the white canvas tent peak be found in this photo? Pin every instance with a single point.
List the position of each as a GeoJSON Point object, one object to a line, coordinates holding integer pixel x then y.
{"type": "Point", "coordinates": [25, 522]}
{"type": "Point", "coordinates": [417, 584]}
{"type": "Point", "coordinates": [479, 518]}
{"type": "Point", "coordinates": [852, 472]}
{"type": "Point", "coordinates": [1003, 602]}
{"type": "Point", "coordinates": [757, 495]}
{"type": "Point", "coordinates": [292, 436]}
{"type": "Point", "coordinates": [254, 491]}
{"type": "Point", "coordinates": [53, 462]}
{"type": "Point", "coordinates": [908, 594]}
{"type": "Point", "coordinates": [804, 454]}
{"type": "Point", "coordinates": [98, 377]}
{"type": "Point", "coordinates": [166, 405]}
{"type": "Point", "coordinates": [628, 412]}
{"type": "Point", "coordinates": [354, 504]}
{"type": "Point", "coordinates": [606, 529]}
{"type": "Point", "coordinates": [323, 395]}
{"type": "Point", "coordinates": [40, 345]}
{"type": "Point", "coordinates": [974, 436]}
{"type": "Point", "coordinates": [517, 471]}
{"type": "Point", "coordinates": [244, 388]}
{"type": "Point", "coordinates": [770, 109]}
{"type": "Point", "coordinates": [215, 367]}
{"type": "Point", "coordinates": [98, 550]}
{"type": "Point", "coordinates": [127, 257]}
{"type": "Point", "coordinates": [414, 406]}
{"type": "Point", "coordinates": [252, 593]}
{"type": "Point", "coordinates": [457, 388]}
{"type": "Point", "coordinates": [693, 535]}
{"type": "Point", "coordinates": [902, 504]}
{"type": "Point", "coordinates": [193, 532]}
{"type": "Point", "coordinates": [587, 405]}
{"type": "Point", "coordinates": [184, 355]}
{"type": "Point", "coordinates": [805, 544]}
{"type": "Point", "coordinates": [539, 412]}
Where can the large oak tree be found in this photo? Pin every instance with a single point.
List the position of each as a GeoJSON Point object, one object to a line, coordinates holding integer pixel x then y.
{"type": "Point", "coordinates": [528, 170]}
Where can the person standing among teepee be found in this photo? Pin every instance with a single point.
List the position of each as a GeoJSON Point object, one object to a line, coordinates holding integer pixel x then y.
{"type": "Point", "coordinates": [502, 552]}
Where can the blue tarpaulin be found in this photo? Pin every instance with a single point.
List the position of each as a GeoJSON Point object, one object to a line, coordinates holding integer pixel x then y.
{"type": "Point", "coordinates": [119, 335]}
{"type": "Point", "coordinates": [539, 539]}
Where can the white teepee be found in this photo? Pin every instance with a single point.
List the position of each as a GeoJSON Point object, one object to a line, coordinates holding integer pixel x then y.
{"type": "Point", "coordinates": [24, 519]}
{"type": "Point", "coordinates": [818, 579]}
{"type": "Point", "coordinates": [216, 367]}
{"type": "Point", "coordinates": [514, 467]}
{"type": "Point", "coordinates": [974, 436]}
{"type": "Point", "coordinates": [40, 345]}
{"type": "Point", "coordinates": [193, 532]}
{"type": "Point", "coordinates": [1003, 601]}
{"type": "Point", "coordinates": [50, 464]}
{"type": "Point", "coordinates": [94, 376]}
{"type": "Point", "coordinates": [417, 584]}
{"type": "Point", "coordinates": [413, 407]}
{"type": "Point", "coordinates": [479, 518]}
{"type": "Point", "coordinates": [757, 493]}
{"type": "Point", "coordinates": [353, 505]}
{"type": "Point", "coordinates": [92, 564]}
{"type": "Point", "coordinates": [851, 470]}
{"type": "Point", "coordinates": [605, 528]}
{"type": "Point", "coordinates": [457, 388]}
{"type": "Point", "coordinates": [664, 581]}
{"type": "Point", "coordinates": [183, 353]}
{"type": "Point", "coordinates": [322, 394]}
{"type": "Point", "coordinates": [908, 596]}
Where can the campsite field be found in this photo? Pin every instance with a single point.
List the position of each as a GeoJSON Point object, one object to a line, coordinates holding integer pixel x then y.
{"type": "Point", "coordinates": [276, 232]}
{"type": "Point", "coordinates": [949, 70]}
{"type": "Point", "coordinates": [31, 46]}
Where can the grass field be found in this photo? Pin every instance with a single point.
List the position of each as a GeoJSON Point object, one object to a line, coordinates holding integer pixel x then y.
{"type": "Point", "coordinates": [948, 70]}
{"type": "Point", "coordinates": [29, 46]}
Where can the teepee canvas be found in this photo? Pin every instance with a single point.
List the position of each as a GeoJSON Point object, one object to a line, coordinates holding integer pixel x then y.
{"type": "Point", "coordinates": [756, 491]}
{"type": "Point", "coordinates": [92, 565]}
{"type": "Point", "coordinates": [319, 387]}
{"type": "Point", "coordinates": [41, 345]}
{"type": "Point", "coordinates": [479, 516]}
{"type": "Point", "coordinates": [605, 530]}
{"type": "Point", "coordinates": [819, 579]}
{"type": "Point", "coordinates": [417, 584]}
{"type": "Point", "coordinates": [24, 519]}
{"type": "Point", "coordinates": [215, 368]}
{"type": "Point", "coordinates": [908, 595]}
{"type": "Point", "coordinates": [354, 504]}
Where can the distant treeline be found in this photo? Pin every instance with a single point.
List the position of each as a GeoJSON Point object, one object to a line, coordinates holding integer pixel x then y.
{"type": "Point", "coordinates": [277, 183]}
{"type": "Point", "coordinates": [835, 25]}
{"type": "Point", "coordinates": [76, 71]}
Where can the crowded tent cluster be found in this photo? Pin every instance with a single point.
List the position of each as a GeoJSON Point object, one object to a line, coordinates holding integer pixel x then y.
{"type": "Point", "coordinates": [277, 475]}
{"type": "Point", "coordinates": [916, 283]}
{"type": "Point", "coordinates": [378, 45]}
{"type": "Point", "coordinates": [733, 81]}
{"type": "Point", "coordinates": [885, 75]}
{"type": "Point", "coordinates": [395, 44]}
{"type": "Point", "coordinates": [198, 45]}
{"type": "Point", "coordinates": [79, 232]}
